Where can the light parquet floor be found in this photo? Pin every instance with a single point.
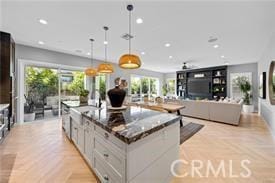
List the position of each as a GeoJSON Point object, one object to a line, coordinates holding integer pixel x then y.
{"type": "Point", "coordinates": [40, 152]}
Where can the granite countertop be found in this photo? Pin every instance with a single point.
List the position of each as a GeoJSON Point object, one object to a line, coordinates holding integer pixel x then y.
{"type": "Point", "coordinates": [4, 106]}
{"type": "Point", "coordinates": [131, 124]}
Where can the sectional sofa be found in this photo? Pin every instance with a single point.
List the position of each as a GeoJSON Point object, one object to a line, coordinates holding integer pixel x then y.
{"type": "Point", "coordinates": [225, 112]}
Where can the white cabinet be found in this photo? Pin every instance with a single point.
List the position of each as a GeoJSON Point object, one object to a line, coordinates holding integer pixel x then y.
{"type": "Point", "coordinates": [74, 131]}
{"type": "Point", "coordinates": [113, 161]}
{"type": "Point", "coordinates": [112, 157]}
{"type": "Point", "coordinates": [88, 142]}
{"type": "Point", "coordinates": [81, 138]}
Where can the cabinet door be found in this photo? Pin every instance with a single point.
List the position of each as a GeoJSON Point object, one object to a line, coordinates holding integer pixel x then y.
{"type": "Point", "coordinates": [80, 138]}
{"type": "Point", "coordinates": [74, 132]}
{"type": "Point", "coordinates": [88, 149]}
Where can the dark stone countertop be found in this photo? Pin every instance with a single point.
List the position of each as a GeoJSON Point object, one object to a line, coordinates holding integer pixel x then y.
{"type": "Point", "coordinates": [131, 124]}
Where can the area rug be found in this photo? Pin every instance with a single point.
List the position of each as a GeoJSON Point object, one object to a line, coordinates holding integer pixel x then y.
{"type": "Point", "coordinates": [189, 130]}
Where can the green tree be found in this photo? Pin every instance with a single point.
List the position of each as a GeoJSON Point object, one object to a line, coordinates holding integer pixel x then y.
{"type": "Point", "coordinates": [153, 86]}
{"type": "Point", "coordinates": [135, 85]}
{"type": "Point", "coordinates": [77, 86]}
{"type": "Point", "coordinates": [41, 82]}
{"type": "Point", "coordinates": [102, 87]}
{"type": "Point", "coordinates": [145, 85]}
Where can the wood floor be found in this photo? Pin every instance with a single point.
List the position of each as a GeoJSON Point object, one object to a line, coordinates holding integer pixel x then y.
{"type": "Point", "coordinates": [40, 152]}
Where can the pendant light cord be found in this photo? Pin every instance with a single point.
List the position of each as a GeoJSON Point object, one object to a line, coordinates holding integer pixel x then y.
{"type": "Point", "coordinates": [106, 28]}
{"type": "Point", "coordinates": [92, 54]}
{"type": "Point", "coordinates": [130, 32]}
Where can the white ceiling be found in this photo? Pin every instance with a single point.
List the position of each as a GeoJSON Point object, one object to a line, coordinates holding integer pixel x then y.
{"type": "Point", "coordinates": [242, 28]}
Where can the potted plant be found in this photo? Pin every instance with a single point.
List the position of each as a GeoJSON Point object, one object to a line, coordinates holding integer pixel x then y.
{"type": "Point", "coordinates": [83, 96]}
{"type": "Point", "coordinates": [245, 86]}
{"type": "Point", "coordinates": [29, 114]}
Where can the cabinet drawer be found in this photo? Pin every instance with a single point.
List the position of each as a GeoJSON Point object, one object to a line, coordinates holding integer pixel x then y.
{"type": "Point", "coordinates": [103, 171]}
{"type": "Point", "coordinates": [113, 158]}
{"type": "Point", "coordinates": [74, 132]}
{"type": "Point", "coordinates": [110, 138]}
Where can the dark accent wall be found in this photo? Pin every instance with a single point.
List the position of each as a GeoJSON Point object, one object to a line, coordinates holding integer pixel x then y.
{"type": "Point", "coordinates": [7, 79]}
{"type": "Point", "coordinates": [210, 83]}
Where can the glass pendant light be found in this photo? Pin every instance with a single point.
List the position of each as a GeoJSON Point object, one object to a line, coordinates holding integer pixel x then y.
{"type": "Point", "coordinates": [129, 61]}
{"type": "Point", "coordinates": [90, 71]}
{"type": "Point", "coordinates": [105, 67]}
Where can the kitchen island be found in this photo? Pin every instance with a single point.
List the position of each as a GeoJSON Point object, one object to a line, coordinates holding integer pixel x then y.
{"type": "Point", "coordinates": [127, 146]}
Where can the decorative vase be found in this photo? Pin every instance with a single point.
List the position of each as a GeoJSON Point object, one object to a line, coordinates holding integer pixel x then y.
{"type": "Point", "coordinates": [116, 96]}
{"type": "Point", "coordinates": [83, 99]}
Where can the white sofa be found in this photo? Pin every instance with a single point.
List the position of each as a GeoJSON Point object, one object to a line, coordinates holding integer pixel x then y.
{"type": "Point", "coordinates": [224, 112]}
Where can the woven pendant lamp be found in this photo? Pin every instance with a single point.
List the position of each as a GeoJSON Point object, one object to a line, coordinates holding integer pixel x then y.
{"type": "Point", "coordinates": [90, 71]}
{"type": "Point", "coordinates": [105, 67]}
{"type": "Point", "coordinates": [129, 61]}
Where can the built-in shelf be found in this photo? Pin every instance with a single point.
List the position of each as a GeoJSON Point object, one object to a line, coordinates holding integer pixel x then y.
{"type": "Point", "coordinates": [202, 83]}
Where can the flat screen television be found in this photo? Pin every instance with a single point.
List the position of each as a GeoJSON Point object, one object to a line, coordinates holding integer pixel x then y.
{"type": "Point", "coordinates": [199, 87]}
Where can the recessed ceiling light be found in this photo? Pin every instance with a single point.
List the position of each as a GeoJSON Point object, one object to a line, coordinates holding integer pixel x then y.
{"type": "Point", "coordinates": [167, 45]}
{"type": "Point", "coordinates": [42, 21]}
{"type": "Point", "coordinates": [139, 21]}
{"type": "Point", "coordinates": [41, 42]}
{"type": "Point", "coordinates": [105, 42]}
{"type": "Point", "coordinates": [88, 53]}
{"type": "Point", "coordinates": [212, 39]}
{"type": "Point", "coordinates": [216, 46]}
{"type": "Point", "coordinates": [170, 57]}
{"type": "Point", "coordinates": [143, 53]}
{"type": "Point", "coordinates": [222, 56]}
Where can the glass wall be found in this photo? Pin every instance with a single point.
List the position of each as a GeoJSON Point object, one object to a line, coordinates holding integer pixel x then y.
{"type": "Point", "coordinates": [71, 84]}
{"type": "Point", "coordinates": [142, 86]}
{"type": "Point", "coordinates": [46, 87]}
{"type": "Point", "coordinates": [171, 87]}
{"type": "Point", "coordinates": [100, 86]}
{"type": "Point", "coordinates": [41, 93]}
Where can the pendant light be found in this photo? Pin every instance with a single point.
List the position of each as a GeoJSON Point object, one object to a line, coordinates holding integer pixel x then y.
{"type": "Point", "coordinates": [105, 67]}
{"type": "Point", "coordinates": [90, 71]}
{"type": "Point", "coordinates": [129, 61]}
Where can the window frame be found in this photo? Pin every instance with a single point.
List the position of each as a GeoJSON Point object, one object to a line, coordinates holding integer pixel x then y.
{"type": "Point", "coordinates": [234, 76]}
{"type": "Point", "coordinates": [175, 86]}
{"type": "Point", "coordinates": [149, 84]}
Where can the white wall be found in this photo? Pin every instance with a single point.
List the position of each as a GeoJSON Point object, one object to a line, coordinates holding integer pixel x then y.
{"type": "Point", "coordinates": [37, 54]}
{"type": "Point", "coordinates": [170, 76]}
{"type": "Point", "coordinates": [265, 108]}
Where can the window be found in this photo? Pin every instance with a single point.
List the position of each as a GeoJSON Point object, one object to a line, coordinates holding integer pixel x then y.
{"type": "Point", "coordinates": [235, 92]}
{"type": "Point", "coordinates": [144, 86]}
{"type": "Point", "coordinates": [46, 87]}
{"type": "Point", "coordinates": [171, 86]}
{"type": "Point", "coordinates": [100, 86]}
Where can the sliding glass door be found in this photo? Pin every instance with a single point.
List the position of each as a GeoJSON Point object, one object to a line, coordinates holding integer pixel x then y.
{"type": "Point", "coordinates": [41, 93]}
{"type": "Point", "coordinates": [142, 86]}
{"type": "Point", "coordinates": [46, 88]}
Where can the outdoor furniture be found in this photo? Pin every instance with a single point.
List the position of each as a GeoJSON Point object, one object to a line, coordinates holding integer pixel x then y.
{"type": "Point", "coordinates": [39, 109]}
{"type": "Point", "coordinates": [55, 110]}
